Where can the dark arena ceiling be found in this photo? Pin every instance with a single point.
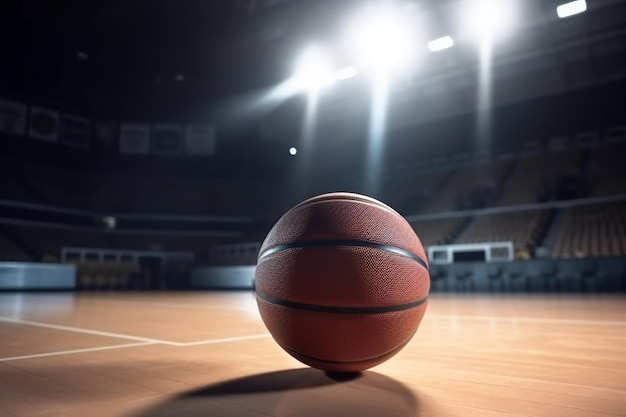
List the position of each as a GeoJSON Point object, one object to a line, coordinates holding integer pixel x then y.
{"type": "Point", "coordinates": [213, 61]}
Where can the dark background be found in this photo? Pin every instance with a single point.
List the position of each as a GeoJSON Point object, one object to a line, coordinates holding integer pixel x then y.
{"type": "Point", "coordinates": [209, 61]}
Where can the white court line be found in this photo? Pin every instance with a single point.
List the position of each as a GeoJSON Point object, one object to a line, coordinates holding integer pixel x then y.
{"type": "Point", "coordinates": [69, 352]}
{"type": "Point", "coordinates": [127, 345]}
{"type": "Point", "coordinates": [85, 331]}
{"type": "Point", "coordinates": [125, 336]}
{"type": "Point", "coordinates": [225, 340]}
{"type": "Point", "coordinates": [207, 308]}
{"type": "Point", "coordinates": [538, 320]}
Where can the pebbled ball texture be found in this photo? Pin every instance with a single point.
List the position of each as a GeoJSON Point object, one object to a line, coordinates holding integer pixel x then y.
{"type": "Point", "coordinates": [342, 282]}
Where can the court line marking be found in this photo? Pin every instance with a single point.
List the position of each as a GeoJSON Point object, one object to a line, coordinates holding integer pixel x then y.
{"type": "Point", "coordinates": [69, 352]}
{"type": "Point", "coordinates": [187, 306]}
{"type": "Point", "coordinates": [537, 320]}
{"type": "Point", "coordinates": [84, 331]}
{"type": "Point", "coordinates": [226, 339]}
{"type": "Point", "coordinates": [128, 345]}
{"type": "Point", "coordinates": [129, 337]}
{"type": "Point", "coordinates": [141, 341]}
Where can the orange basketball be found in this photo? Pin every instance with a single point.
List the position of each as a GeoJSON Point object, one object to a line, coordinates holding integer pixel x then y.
{"type": "Point", "coordinates": [342, 282]}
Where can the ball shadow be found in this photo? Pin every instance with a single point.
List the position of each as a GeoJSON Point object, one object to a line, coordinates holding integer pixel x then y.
{"type": "Point", "coordinates": [269, 382]}
{"type": "Point", "coordinates": [298, 392]}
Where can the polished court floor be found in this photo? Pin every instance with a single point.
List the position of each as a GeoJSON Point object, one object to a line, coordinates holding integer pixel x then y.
{"type": "Point", "coordinates": [208, 354]}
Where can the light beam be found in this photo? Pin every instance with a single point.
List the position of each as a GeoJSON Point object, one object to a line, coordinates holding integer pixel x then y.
{"type": "Point", "coordinates": [571, 8]}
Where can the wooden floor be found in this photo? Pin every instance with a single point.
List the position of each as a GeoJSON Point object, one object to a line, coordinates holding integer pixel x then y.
{"type": "Point", "coordinates": [208, 354]}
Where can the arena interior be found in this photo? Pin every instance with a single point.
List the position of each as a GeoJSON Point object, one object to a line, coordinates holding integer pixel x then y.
{"type": "Point", "coordinates": [148, 147]}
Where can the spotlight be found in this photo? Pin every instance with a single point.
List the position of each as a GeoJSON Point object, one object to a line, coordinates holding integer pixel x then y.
{"type": "Point", "coordinates": [313, 70]}
{"type": "Point", "coordinates": [345, 73]}
{"type": "Point", "coordinates": [488, 18]}
{"type": "Point", "coordinates": [109, 222]}
{"type": "Point", "coordinates": [383, 39]}
{"type": "Point", "coordinates": [571, 8]}
{"type": "Point", "coordinates": [440, 44]}
{"type": "Point", "coordinates": [293, 151]}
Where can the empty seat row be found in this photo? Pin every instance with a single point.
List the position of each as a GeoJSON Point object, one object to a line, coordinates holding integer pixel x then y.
{"type": "Point", "coordinates": [469, 187]}
{"type": "Point", "coordinates": [545, 275]}
{"type": "Point", "coordinates": [525, 229]}
{"type": "Point", "coordinates": [94, 275]}
{"type": "Point", "coordinates": [593, 230]}
{"type": "Point", "coordinates": [607, 170]}
{"type": "Point", "coordinates": [534, 179]}
{"type": "Point", "coordinates": [439, 231]}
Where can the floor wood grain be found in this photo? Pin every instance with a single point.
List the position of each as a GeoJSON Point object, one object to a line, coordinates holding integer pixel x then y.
{"type": "Point", "coordinates": [208, 354]}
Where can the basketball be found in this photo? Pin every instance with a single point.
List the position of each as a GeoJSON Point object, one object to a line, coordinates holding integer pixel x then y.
{"type": "Point", "coordinates": [342, 282]}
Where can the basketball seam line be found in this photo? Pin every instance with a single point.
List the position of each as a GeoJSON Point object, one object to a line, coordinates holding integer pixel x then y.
{"type": "Point", "coordinates": [351, 198]}
{"type": "Point", "coordinates": [342, 309]}
{"type": "Point", "coordinates": [374, 358]}
{"type": "Point", "coordinates": [343, 242]}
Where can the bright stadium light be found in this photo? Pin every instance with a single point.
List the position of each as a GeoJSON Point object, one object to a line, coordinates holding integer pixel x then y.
{"type": "Point", "coordinates": [571, 8]}
{"type": "Point", "coordinates": [488, 18]}
{"type": "Point", "coordinates": [345, 73]}
{"type": "Point", "coordinates": [440, 44]}
{"type": "Point", "coordinates": [383, 39]}
{"type": "Point", "coordinates": [313, 70]}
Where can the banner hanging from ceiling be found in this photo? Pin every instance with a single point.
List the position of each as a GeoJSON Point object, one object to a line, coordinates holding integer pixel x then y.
{"type": "Point", "coordinates": [44, 124]}
{"type": "Point", "coordinates": [200, 140]}
{"type": "Point", "coordinates": [167, 139]}
{"type": "Point", "coordinates": [13, 117]}
{"type": "Point", "coordinates": [135, 138]}
{"type": "Point", "coordinates": [76, 131]}
{"type": "Point", "coordinates": [105, 136]}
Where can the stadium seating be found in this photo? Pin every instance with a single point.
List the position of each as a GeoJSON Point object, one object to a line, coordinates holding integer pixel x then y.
{"type": "Point", "coordinates": [95, 275]}
{"type": "Point", "coordinates": [409, 193]}
{"type": "Point", "coordinates": [439, 231]}
{"type": "Point", "coordinates": [536, 178]}
{"type": "Point", "coordinates": [586, 231]}
{"type": "Point", "coordinates": [607, 170]}
{"type": "Point", "coordinates": [525, 229]}
{"type": "Point", "coordinates": [593, 230]}
{"type": "Point", "coordinates": [469, 187]}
